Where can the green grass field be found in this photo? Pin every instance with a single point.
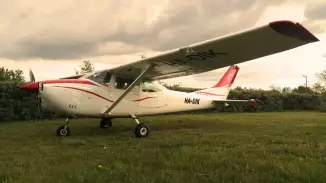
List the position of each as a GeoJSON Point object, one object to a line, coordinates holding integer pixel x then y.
{"type": "Point", "coordinates": [223, 147]}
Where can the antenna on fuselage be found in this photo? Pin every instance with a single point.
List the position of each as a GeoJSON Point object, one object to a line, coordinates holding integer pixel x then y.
{"type": "Point", "coordinates": [143, 55]}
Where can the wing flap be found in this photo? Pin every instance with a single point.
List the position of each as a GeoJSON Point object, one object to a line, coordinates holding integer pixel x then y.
{"type": "Point", "coordinates": [222, 51]}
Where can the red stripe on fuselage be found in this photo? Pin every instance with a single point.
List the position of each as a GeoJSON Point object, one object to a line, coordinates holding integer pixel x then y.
{"type": "Point", "coordinates": [74, 88]}
{"type": "Point", "coordinates": [71, 81]}
{"type": "Point", "coordinates": [209, 93]}
{"type": "Point", "coordinates": [142, 99]}
{"type": "Point", "coordinates": [85, 91]}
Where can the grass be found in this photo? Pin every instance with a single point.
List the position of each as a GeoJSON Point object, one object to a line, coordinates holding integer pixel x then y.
{"type": "Point", "coordinates": [224, 147]}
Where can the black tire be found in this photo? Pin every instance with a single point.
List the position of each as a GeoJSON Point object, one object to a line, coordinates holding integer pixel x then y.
{"type": "Point", "coordinates": [141, 130]}
{"type": "Point", "coordinates": [105, 123]}
{"type": "Point", "coordinates": [61, 131]}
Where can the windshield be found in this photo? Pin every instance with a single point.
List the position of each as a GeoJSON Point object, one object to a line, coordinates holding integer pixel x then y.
{"type": "Point", "coordinates": [102, 77]}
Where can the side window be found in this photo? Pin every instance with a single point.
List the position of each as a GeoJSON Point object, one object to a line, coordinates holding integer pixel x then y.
{"type": "Point", "coordinates": [150, 87]}
{"type": "Point", "coordinates": [121, 83]}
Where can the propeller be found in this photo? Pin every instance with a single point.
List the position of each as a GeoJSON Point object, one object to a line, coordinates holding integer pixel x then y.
{"type": "Point", "coordinates": [31, 76]}
{"type": "Point", "coordinates": [32, 80]}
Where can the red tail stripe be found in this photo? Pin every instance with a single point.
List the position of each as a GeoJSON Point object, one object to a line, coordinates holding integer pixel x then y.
{"type": "Point", "coordinates": [225, 80]}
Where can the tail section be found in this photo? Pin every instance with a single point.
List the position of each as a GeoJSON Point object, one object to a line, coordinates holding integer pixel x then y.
{"type": "Point", "coordinates": [222, 88]}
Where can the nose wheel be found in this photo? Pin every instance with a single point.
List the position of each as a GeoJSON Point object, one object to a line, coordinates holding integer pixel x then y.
{"type": "Point", "coordinates": [141, 129]}
{"type": "Point", "coordinates": [64, 129]}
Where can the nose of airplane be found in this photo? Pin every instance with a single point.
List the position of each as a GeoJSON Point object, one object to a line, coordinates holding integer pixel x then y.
{"type": "Point", "coordinates": [30, 87]}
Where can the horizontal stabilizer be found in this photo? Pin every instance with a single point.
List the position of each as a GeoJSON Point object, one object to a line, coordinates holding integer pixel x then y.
{"type": "Point", "coordinates": [225, 103]}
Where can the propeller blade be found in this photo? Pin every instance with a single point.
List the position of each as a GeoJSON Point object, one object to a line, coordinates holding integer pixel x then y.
{"type": "Point", "coordinates": [31, 76]}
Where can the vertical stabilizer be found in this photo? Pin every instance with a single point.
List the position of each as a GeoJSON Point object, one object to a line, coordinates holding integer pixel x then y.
{"type": "Point", "coordinates": [222, 88]}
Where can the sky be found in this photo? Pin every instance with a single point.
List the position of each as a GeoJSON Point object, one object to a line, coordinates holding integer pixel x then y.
{"type": "Point", "coordinates": [53, 37]}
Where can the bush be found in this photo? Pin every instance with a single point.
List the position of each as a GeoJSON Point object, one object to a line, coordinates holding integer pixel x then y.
{"type": "Point", "coordinates": [17, 104]}
{"type": "Point", "coordinates": [322, 107]}
{"type": "Point", "coordinates": [274, 100]}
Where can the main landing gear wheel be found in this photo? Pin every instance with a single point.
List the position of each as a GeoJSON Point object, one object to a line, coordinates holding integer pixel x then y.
{"type": "Point", "coordinates": [141, 130]}
{"type": "Point", "coordinates": [105, 123]}
{"type": "Point", "coordinates": [64, 129]}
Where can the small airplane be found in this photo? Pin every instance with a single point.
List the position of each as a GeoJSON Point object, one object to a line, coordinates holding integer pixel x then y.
{"type": "Point", "coordinates": [133, 90]}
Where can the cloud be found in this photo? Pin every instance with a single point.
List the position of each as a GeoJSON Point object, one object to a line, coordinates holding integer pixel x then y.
{"type": "Point", "coordinates": [181, 23]}
{"type": "Point", "coordinates": [75, 29]}
{"type": "Point", "coordinates": [316, 16]}
{"type": "Point", "coordinates": [316, 11]}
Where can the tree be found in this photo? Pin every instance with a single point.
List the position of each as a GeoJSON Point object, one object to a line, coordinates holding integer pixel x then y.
{"type": "Point", "coordinates": [302, 89]}
{"type": "Point", "coordinates": [85, 67]}
{"type": "Point", "coordinates": [11, 75]}
{"type": "Point", "coordinates": [286, 90]}
{"type": "Point", "coordinates": [320, 85]}
{"type": "Point", "coordinates": [275, 88]}
{"type": "Point", "coordinates": [321, 77]}
{"type": "Point", "coordinates": [318, 88]}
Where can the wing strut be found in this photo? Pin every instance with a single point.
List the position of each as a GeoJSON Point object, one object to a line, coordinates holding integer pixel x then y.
{"type": "Point", "coordinates": [138, 79]}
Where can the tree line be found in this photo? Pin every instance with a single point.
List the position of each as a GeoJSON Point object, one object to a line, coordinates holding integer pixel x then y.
{"type": "Point", "coordinates": [17, 104]}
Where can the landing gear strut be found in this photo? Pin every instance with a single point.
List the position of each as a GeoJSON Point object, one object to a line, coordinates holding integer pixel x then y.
{"type": "Point", "coordinates": [64, 129]}
{"type": "Point", "coordinates": [105, 123]}
{"type": "Point", "coordinates": [141, 130]}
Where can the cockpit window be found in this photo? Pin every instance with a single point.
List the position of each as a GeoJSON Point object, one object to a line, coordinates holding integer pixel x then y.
{"type": "Point", "coordinates": [122, 83]}
{"type": "Point", "coordinates": [150, 87]}
{"type": "Point", "coordinates": [102, 77]}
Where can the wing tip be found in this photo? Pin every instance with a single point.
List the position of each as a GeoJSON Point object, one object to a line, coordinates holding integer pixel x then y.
{"type": "Point", "coordinates": [293, 29]}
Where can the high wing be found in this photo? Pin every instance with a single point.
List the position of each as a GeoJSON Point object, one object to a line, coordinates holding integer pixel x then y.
{"type": "Point", "coordinates": [224, 103]}
{"type": "Point", "coordinates": [220, 52]}
{"type": "Point", "coordinates": [73, 77]}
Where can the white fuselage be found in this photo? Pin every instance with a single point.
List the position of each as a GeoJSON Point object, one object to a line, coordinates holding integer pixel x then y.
{"type": "Point", "coordinates": [91, 99]}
